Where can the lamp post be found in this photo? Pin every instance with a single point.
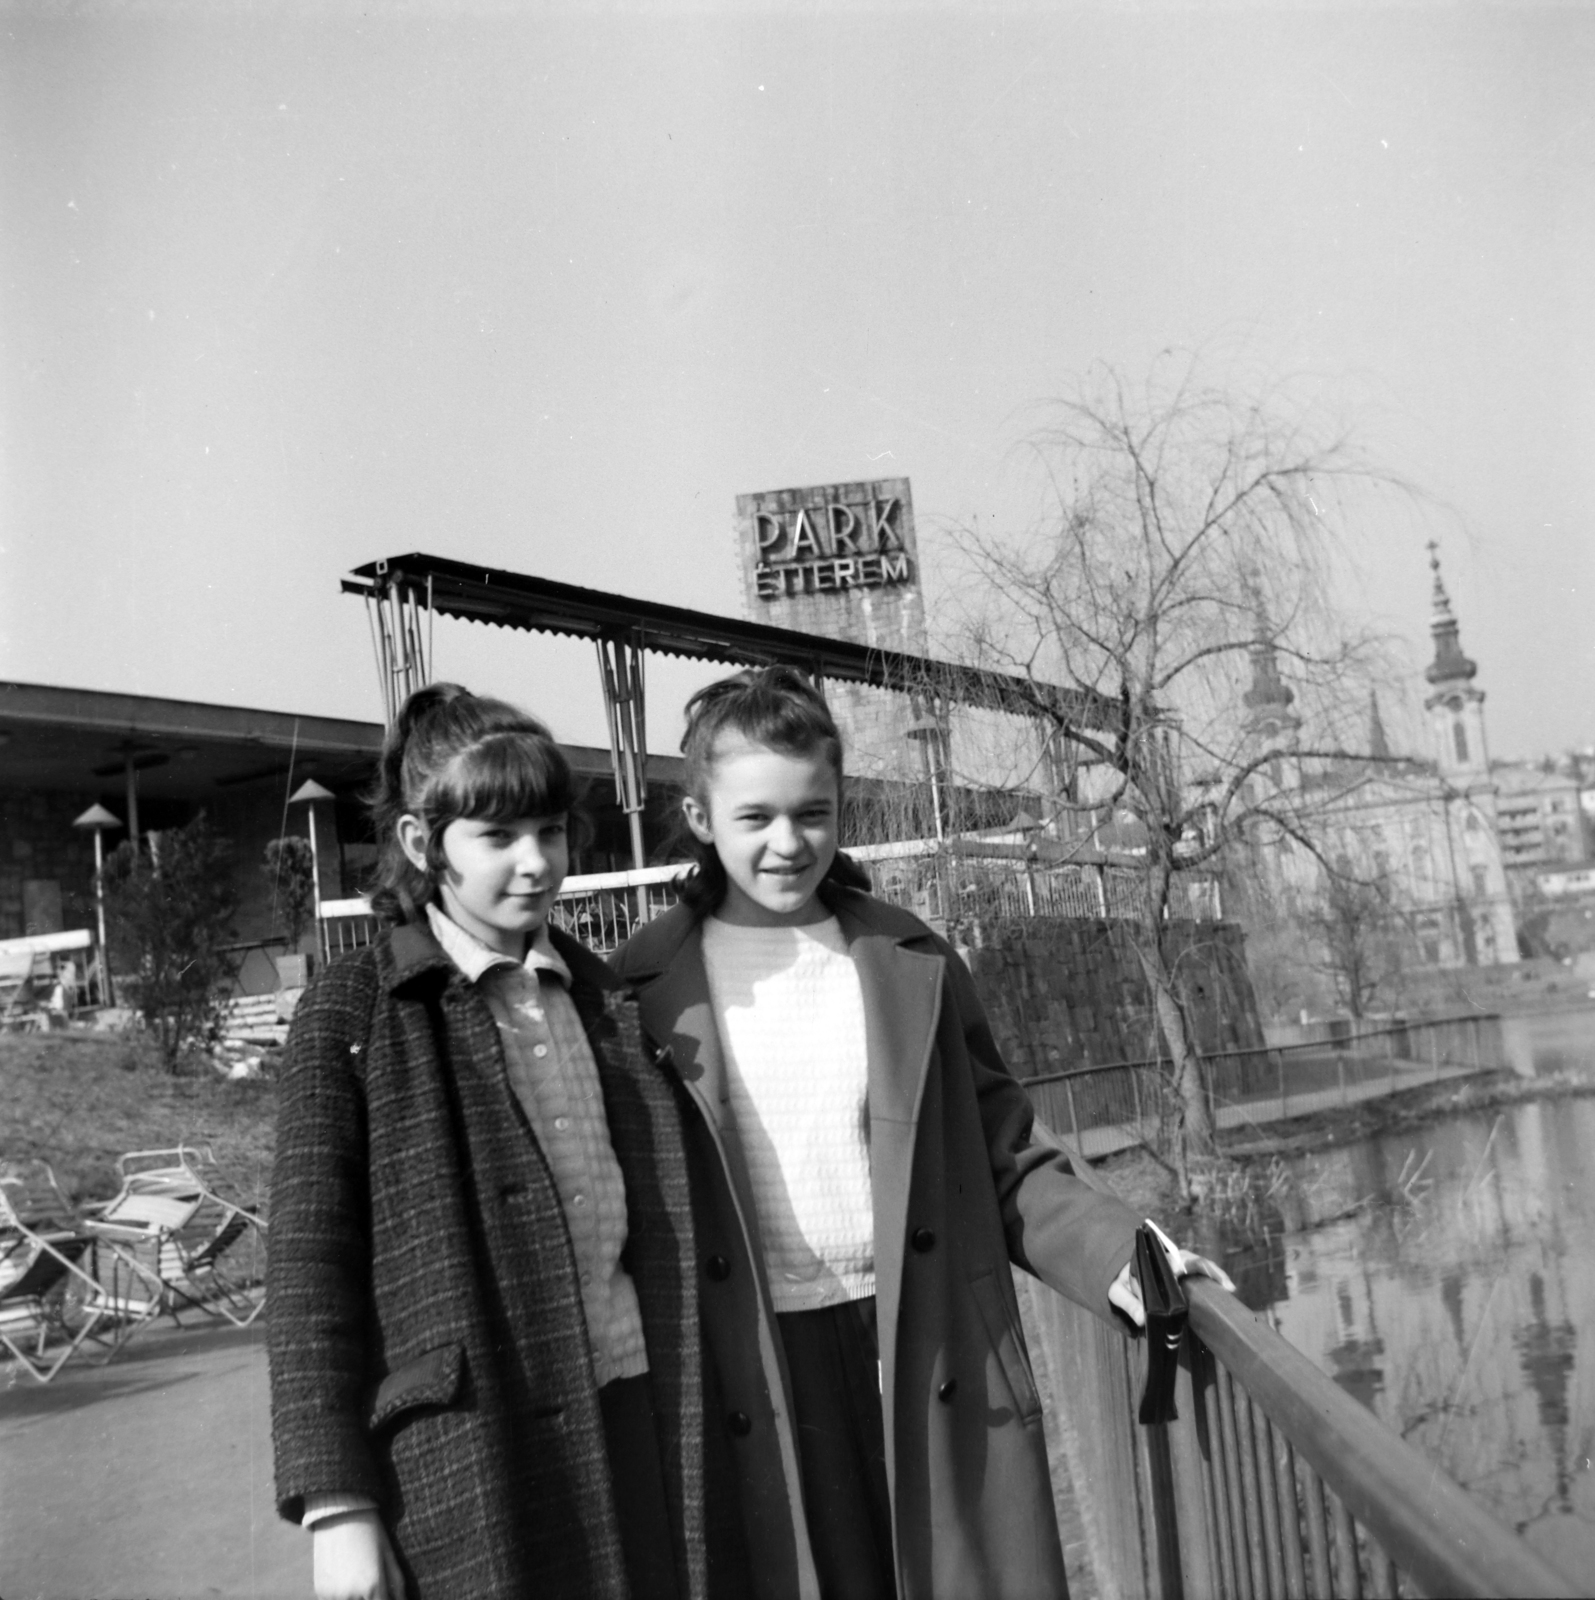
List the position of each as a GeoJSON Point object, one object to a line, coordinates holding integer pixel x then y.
{"type": "Point", "coordinates": [99, 819]}
{"type": "Point", "coordinates": [929, 732]}
{"type": "Point", "coordinates": [309, 792]}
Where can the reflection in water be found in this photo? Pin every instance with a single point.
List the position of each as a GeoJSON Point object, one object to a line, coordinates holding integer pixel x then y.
{"type": "Point", "coordinates": [1449, 1296]}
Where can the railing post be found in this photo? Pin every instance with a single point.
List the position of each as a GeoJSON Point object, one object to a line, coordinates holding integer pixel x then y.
{"type": "Point", "coordinates": [1074, 1120]}
{"type": "Point", "coordinates": [1190, 1457]}
{"type": "Point", "coordinates": [1280, 1059]}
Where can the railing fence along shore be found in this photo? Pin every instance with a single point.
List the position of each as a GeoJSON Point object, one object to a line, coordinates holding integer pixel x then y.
{"type": "Point", "coordinates": [1120, 1104]}
{"type": "Point", "coordinates": [1272, 1484]}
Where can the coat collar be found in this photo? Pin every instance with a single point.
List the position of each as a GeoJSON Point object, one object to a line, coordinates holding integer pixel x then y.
{"type": "Point", "coordinates": [655, 946]}
{"type": "Point", "coordinates": [416, 954]}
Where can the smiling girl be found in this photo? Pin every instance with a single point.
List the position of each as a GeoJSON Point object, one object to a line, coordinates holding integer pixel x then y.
{"type": "Point", "coordinates": [865, 1169]}
{"type": "Point", "coordinates": [485, 1358]}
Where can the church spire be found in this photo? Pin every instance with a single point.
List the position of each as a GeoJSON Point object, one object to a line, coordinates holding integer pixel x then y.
{"type": "Point", "coordinates": [1455, 704]}
{"type": "Point", "coordinates": [1269, 699]}
{"type": "Point", "coordinates": [1449, 664]}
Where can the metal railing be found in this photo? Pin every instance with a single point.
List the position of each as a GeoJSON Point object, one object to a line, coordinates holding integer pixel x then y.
{"type": "Point", "coordinates": [604, 909]}
{"type": "Point", "coordinates": [1273, 1482]}
{"type": "Point", "coordinates": [982, 880]}
{"type": "Point", "coordinates": [344, 925]}
{"type": "Point", "coordinates": [1125, 1103]}
{"type": "Point", "coordinates": [940, 879]}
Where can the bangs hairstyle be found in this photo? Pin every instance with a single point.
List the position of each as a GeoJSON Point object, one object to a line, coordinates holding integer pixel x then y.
{"type": "Point", "coordinates": [776, 707]}
{"type": "Point", "coordinates": [453, 754]}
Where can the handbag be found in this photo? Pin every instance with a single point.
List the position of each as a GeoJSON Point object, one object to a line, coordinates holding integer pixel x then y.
{"type": "Point", "coordinates": [1167, 1311]}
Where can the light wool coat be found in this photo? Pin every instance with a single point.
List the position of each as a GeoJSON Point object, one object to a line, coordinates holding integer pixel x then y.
{"type": "Point", "coordinates": [963, 1182]}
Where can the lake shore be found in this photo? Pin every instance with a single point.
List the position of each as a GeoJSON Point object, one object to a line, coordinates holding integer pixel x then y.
{"type": "Point", "coordinates": [1147, 1184]}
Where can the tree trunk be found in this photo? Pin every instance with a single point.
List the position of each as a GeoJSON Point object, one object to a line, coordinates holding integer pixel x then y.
{"type": "Point", "coordinates": [1194, 1127]}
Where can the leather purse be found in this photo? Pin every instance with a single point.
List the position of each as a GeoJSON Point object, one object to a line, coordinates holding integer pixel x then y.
{"type": "Point", "coordinates": [1167, 1311]}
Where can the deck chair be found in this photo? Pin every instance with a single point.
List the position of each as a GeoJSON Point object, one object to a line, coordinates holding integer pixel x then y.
{"type": "Point", "coordinates": [51, 1300]}
{"type": "Point", "coordinates": [19, 1006]}
{"type": "Point", "coordinates": [181, 1241]}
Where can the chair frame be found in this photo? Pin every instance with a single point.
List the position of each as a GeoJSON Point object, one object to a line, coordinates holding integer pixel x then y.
{"type": "Point", "coordinates": [42, 1241]}
{"type": "Point", "coordinates": [168, 1231]}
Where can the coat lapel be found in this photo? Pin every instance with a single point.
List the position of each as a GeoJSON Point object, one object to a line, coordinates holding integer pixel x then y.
{"type": "Point", "coordinates": [902, 1001]}
{"type": "Point", "coordinates": [678, 1014]}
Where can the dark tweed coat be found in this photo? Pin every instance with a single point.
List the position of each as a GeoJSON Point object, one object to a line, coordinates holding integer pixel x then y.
{"type": "Point", "coordinates": [427, 1341]}
{"type": "Point", "coordinates": [963, 1181]}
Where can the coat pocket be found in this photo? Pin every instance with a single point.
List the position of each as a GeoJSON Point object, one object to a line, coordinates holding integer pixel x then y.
{"type": "Point", "coordinates": [431, 1379]}
{"type": "Point", "coordinates": [1007, 1340]}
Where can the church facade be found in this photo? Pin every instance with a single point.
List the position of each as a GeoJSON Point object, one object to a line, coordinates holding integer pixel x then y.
{"type": "Point", "coordinates": [1408, 862]}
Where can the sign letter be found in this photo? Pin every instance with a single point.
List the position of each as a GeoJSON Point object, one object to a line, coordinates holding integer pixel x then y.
{"type": "Point", "coordinates": [844, 530]}
{"type": "Point", "coordinates": [886, 536]}
{"type": "Point", "coordinates": [767, 535]}
{"type": "Point", "coordinates": [805, 542]}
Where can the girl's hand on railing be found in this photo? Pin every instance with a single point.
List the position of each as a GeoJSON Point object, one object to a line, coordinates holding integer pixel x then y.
{"type": "Point", "coordinates": [1125, 1291]}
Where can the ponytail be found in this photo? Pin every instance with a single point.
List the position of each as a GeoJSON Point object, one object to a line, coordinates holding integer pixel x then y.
{"type": "Point", "coordinates": [453, 754]}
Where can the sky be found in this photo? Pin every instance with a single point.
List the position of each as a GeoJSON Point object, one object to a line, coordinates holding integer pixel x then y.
{"type": "Point", "coordinates": [285, 289]}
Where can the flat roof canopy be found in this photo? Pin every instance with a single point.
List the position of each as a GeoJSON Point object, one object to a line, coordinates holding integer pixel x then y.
{"type": "Point", "coordinates": [540, 605]}
{"type": "Point", "coordinates": [79, 740]}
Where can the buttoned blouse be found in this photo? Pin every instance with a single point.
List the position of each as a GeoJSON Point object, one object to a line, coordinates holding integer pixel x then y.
{"type": "Point", "coordinates": [555, 1079]}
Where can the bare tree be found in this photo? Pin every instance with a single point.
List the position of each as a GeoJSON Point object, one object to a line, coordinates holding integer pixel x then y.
{"type": "Point", "coordinates": [1356, 939]}
{"type": "Point", "coordinates": [1169, 610]}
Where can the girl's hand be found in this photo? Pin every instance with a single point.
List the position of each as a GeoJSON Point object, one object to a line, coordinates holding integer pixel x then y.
{"type": "Point", "coordinates": [1125, 1290]}
{"type": "Point", "coordinates": [352, 1558]}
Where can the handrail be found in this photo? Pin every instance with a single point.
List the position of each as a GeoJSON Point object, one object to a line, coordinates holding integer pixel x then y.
{"type": "Point", "coordinates": [1429, 1527]}
{"type": "Point", "coordinates": [1304, 1046]}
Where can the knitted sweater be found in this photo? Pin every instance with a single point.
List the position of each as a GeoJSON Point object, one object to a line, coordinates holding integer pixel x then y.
{"type": "Point", "coordinates": [791, 1019]}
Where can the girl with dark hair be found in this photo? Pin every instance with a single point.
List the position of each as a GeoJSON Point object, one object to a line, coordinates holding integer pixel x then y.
{"type": "Point", "coordinates": [864, 1171]}
{"type": "Point", "coordinates": [485, 1359]}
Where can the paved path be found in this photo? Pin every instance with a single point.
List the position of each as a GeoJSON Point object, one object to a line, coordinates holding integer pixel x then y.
{"type": "Point", "coordinates": [148, 1478]}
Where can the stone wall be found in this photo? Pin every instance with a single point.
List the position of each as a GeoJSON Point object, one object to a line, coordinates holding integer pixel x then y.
{"type": "Point", "coordinates": [40, 847]}
{"type": "Point", "coordinates": [1067, 993]}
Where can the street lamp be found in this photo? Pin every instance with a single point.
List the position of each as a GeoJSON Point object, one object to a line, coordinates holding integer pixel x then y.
{"type": "Point", "coordinates": [98, 818]}
{"type": "Point", "coordinates": [309, 792]}
{"type": "Point", "coordinates": [929, 733]}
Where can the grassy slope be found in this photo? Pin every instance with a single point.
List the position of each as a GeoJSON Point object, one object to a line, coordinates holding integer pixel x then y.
{"type": "Point", "coordinates": [81, 1101]}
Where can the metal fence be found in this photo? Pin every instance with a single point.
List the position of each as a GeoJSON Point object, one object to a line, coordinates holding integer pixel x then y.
{"type": "Point", "coordinates": [942, 880]}
{"type": "Point", "coordinates": [1126, 1103]}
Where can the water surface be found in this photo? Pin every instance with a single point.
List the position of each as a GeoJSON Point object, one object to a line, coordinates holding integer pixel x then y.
{"type": "Point", "coordinates": [1455, 1294]}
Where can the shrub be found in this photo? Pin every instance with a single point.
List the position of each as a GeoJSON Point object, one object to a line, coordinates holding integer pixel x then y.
{"type": "Point", "coordinates": [170, 911]}
{"type": "Point", "coordinates": [290, 867]}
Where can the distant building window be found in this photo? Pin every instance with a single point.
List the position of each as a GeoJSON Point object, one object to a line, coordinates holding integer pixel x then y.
{"type": "Point", "coordinates": [1473, 824]}
{"type": "Point", "coordinates": [1460, 735]}
{"type": "Point", "coordinates": [1479, 881]}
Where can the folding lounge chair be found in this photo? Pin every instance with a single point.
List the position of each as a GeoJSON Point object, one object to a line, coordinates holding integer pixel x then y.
{"type": "Point", "coordinates": [185, 1244]}
{"type": "Point", "coordinates": [50, 1298]}
{"type": "Point", "coordinates": [19, 1006]}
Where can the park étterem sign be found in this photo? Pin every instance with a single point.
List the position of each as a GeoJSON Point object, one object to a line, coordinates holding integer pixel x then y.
{"type": "Point", "coordinates": [830, 540]}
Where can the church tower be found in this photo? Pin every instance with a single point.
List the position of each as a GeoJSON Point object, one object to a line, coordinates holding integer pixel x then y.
{"type": "Point", "coordinates": [1455, 705]}
{"type": "Point", "coordinates": [1271, 725]}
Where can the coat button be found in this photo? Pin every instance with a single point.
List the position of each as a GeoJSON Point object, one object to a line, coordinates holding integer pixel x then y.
{"type": "Point", "coordinates": [923, 1240]}
{"type": "Point", "coordinates": [718, 1268]}
{"type": "Point", "coordinates": [947, 1390]}
{"type": "Point", "coordinates": [740, 1424]}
